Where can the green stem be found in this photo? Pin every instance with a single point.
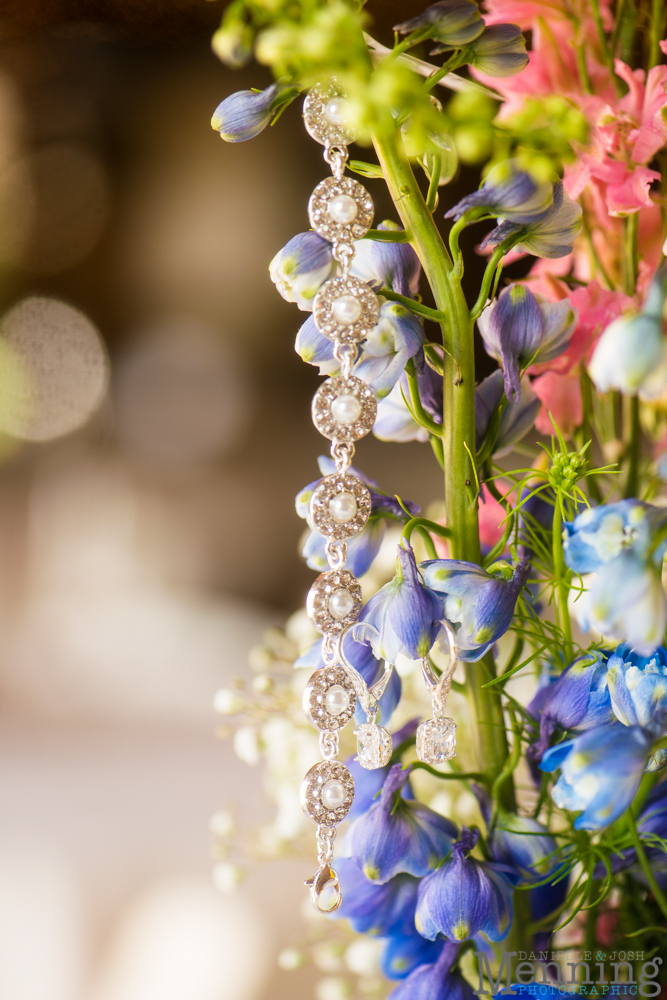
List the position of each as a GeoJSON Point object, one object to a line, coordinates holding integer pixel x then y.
{"type": "Point", "coordinates": [487, 280]}
{"type": "Point", "coordinates": [562, 584]}
{"type": "Point", "coordinates": [416, 307]}
{"type": "Point", "coordinates": [458, 429]}
{"type": "Point", "coordinates": [432, 196]}
{"type": "Point", "coordinates": [656, 33]}
{"type": "Point", "coordinates": [633, 445]}
{"type": "Point", "coordinates": [387, 236]}
{"type": "Point", "coordinates": [430, 526]}
{"type": "Point", "coordinates": [645, 865]}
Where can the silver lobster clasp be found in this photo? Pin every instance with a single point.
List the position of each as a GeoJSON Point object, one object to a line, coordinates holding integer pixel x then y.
{"type": "Point", "coordinates": [324, 880]}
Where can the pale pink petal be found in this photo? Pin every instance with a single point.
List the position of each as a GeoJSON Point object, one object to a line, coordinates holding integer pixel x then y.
{"type": "Point", "coordinates": [561, 396]}
{"type": "Point", "coordinates": [633, 102]}
{"type": "Point", "coordinates": [633, 194]}
{"type": "Point", "coordinates": [652, 134]}
{"type": "Point", "coordinates": [663, 46]}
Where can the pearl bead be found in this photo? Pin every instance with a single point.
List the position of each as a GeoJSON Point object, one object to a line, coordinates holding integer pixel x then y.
{"type": "Point", "coordinates": [345, 409]}
{"type": "Point", "coordinates": [343, 209]}
{"type": "Point", "coordinates": [337, 699]}
{"type": "Point", "coordinates": [337, 111]}
{"type": "Point", "coordinates": [346, 309]}
{"type": "Point", "coordinates": [332, 794]}
{"type": "Point", "coordinates": [341, 603]}
{"type": "Point", "coordinates": [343, 507]}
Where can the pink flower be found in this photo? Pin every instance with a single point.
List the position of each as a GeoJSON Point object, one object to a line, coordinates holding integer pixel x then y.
{"type": "Point", "coordinates": [644, 104]}
{"type": "Point", "coordinates": [561, 398]}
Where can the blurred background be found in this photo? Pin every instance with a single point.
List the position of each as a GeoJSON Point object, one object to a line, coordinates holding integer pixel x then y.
{"type": "Point", "coordinates": [156, 429]}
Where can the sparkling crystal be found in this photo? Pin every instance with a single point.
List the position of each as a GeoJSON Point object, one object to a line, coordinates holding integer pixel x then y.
{"type": "Point", "coordinates": [346, 309]}
{"type": "Point", "coordinates": [341, 603]}
{"type": "Point", "coordinates": [337, 699]}
{"type": "Point", "coordinates": [346, 409]}
{"type": "Point", "coordinates": [332, 794]}
{"type": "Point", "coordinates": [436, 741]}
{"type": "Point", "coordinates": [343, 507]}
{"type": "Point", "coordinates": [337, 110]}
{"type": "Point", "coordinates": [374, 746]}
{"type": "Point", "coordinates": [343, 209]}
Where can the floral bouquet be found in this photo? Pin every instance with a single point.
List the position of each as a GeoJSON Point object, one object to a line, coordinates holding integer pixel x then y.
{"type": "Point", "coordinates": [527, 601]}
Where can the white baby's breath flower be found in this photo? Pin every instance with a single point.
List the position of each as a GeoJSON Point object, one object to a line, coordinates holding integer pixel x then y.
{"type": "Point", "coordinates": [332, 988]}
{"type": "Point", "coordinates": [246, 745]}
{"type": "Point", "coordinates": [227, 876]}
{"type": "Point", "coordinates": [221, 823]}
{"type": "Point", "coordinates": [228, 702]}
{"type": "Point", "coordinates": [290, 959]}
{"type": "Point", "coordinates": [363, 955]}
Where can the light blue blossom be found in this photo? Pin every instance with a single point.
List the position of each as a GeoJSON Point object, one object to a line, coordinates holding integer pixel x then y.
{"type": "Point", "coordinates": [406, 952]}
{"type": "Point", "coordinates": [397, 836]}
{"type": "Point", "coordinates": [245, 114]}
{"type": "Point", "coordinates": [551, 237]}
{"type": "Point", "coordinates": [439, 981]}
{"type": "Point", "coordinates": [465, 896]}
{"type": "Point", "coordinates": [578, 700]}
{"type": "Point", "coordinates": [397, 337]}
{"type": "Point", "coordinates": [452, 23]}
{"type": "Point", "coordinates": [631, 354]}
{"type": "Point", "coordinates": [394, 422]}
{"type": "Point", "coordinates": [477, 604]}
{"type": "Point", "coordinates": [625, 599]}
{"type": "Point", "coordinates": [301, 267]}
{"type": "Point", "coordinates": [316, 349]}
{"type": "Point", "coordinates": [638, 688]}
{"type": "Point", "coordinates": [600, 773]}
{"type": "Point", "coordinates": [510, 193]}
{"type": "Point", "coordinates": [385, 910]}
{"type": "Point", "coordinates": [404, 615]}
{"type": "Point", "coordinates": [517, 418]}
{"type": "Point", "coordinates": [520, 329]}
{"type": "Point", "coordinates": [500, 50]}
{"type": "Point", "coordinates": [387, 264]}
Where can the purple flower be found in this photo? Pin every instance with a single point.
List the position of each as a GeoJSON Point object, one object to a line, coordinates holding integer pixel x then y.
{"type": "Point", "coordinates": [465, 896]}
{"type": "Point", "coordinates": [552, 236]}
{"type": "Point", "coordinates": [500, 50]}
{"type": "Point", "coordinates": [525, 844]}
{"type": "Point", "coordinates": [453, 23]}
{"type": "Point", "coordinates": [516, 419]}
{"type": "Point", "coordinates": [404, 616]}
{"type": "Point", "coordinates": [316, 349]}
{"type": "Point", "coordinates": [385, 264]}
{"type": "Point", "coordinates": [478, 605]}
{"type": "Point", "coordinates": [245, 114]}
{"type": "Point", "coordinates": [381, 910]}
{"type": "Point", "coordinates": [301, 267]}
{"type": "Point", "coordinates": [435, 982]}
{"type": "Point", "coordinates": [396, 836]}
{"type": "Point", "coordinates": [397, 337]}
{"type": "Point", "coordinates": [519, 330]}
{"type": "Point", "coordinates": [406, 952]}
{"type": "Point", "coordinates": [509, 192]}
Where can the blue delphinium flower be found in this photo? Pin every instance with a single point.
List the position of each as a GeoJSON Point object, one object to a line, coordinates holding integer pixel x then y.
{"type": "Point", "coordinates": [316, 349]}
{"type": "Point", "coordinates": [520, 329]}
{"type": "Point", "coordinates": [578, 700]}
{"type": "Point", "coordinates": [525, 844]}
{"type": "Point", "coordinates": [625, 600]}
{"type": "Point", "coordinates": [600, 772]}
{"type": "Point", "coordinates": [517, 418]}
{"type": "Point", "coordinates": [437, 981]}
{"type": "Point", "coordinates": [545, 900]}
{"type": "Point", "coordinates": [500, 50]}
{"type": "Point", "coordinates": [394, 421]}
{"type": "Point", "coordinates": [465, 896]}
{"type": "Point", "coordinates": [477, 604]}
{"type": "Point", "coordinates": [551, 237]}
{"type": "Point", "coordinates": [301, 268]}
{"type": "Point", "coordinates": [245, 114]}
{"type": "Point", "coordinates": [382, 910]}
{"type": "Point", "coordinates": [405, 952]}
{"type": "Point", "coordinates": [403, 616]}
{"type": "Point", "coordinates": [368, 784]}
{"type": "Point", "coordinates": [397, 337]}
{"type": "Point", "coordinates": [652, 828]}
{"type": "Point", "coordinates": [386, 264]}
{"type": "Point", "coordinates": [638, 688]}
{"type": "Point", "coordinates": [451, 22]}
{"type": "Point", "coordinates": [631, 354]}
{"type": "Point", "coordinates": [362, 548]}
{"type": "Point", "coordinates": [396, 836]}
{"type": "Point", "coordinates": [509, 192]}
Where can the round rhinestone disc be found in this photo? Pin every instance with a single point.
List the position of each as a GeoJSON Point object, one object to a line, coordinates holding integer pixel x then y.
{"type": "Point", "coordinates": [326, 491]}
{"type": "Point", "coordinates": [311, 792]}
{"type": "Point", "coordinates": [318, 125]}
{"type": "Point", "coordinates": [327, 587]}
{"type": "Point", "coordinates": [324, 311]}
{"type": "Point", "coordinates": [320, 215]}
{"type": "Point", "coordinates": [315, 701]}
{"type": "Point", "coordinates": [324, 408]}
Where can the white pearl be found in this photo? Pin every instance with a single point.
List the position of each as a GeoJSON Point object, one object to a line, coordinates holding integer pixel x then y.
{"type": "Point", "coordinates": [332, 794]}
{"type": "Point", "coordinates": [337, 110]}
{"type": "Point", "coordinates": [343, 209]}
{"type": "Point", "coordinates": [343, 507]}
{"type": "Point", "coordinates": [346, 309]}
{"type": "Point", "coordinates": [345, 409]}
{"type": "Point", "coordinates": [337, 699]}
{"type": "Point", "coordinates": [341, 603]}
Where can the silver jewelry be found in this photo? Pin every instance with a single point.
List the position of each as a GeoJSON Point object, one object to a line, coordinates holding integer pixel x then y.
{"type": "Point", "coordinates": [345, 310]}
{"type": "Point", "coordinates": [436, 738]}
{"type": "Point", "coordinates": [374, 742]}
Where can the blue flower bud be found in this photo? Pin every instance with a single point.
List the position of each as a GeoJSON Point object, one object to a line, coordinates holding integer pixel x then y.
{"type": "Point", "coordinates": [301, 267]}
{"type": "Point", "coordinates": [500, 50]}
{"type": "Point", "coordinates": [245, 114]}
{"type": "Point", "coordinates": [519, 330]}
{"type": "Point", "coordinates": [638, 688]}
{"type": "Point", "coordinates": [380, 910]}
{"type": "Point", "coordinates": [511, 193]}
{"type": "Point", "coordinates": [435, 982]}
{"type": "Point", "coordinates": [404, 616]}
{"type": "Point", "coordinates": [517, 418]}
{"type": "Point", "coordinates": [385, 264]}
{"type": "Point", "coordinates": [406, 952]}
{"type": "Point", "coordinates": [451, 22]}
{"type": "Point", "coordinates": [397, 337]}
{"type": "Point", "coordinates": [551, 237]}
{"type": "Point", "coordinates": [600, 773]}
{"type": "Point", "coordinates": [578, 700]}
{"type": "Point", "coordinates": [477, 605]}
{"type": "Point", "coordinates": [465, 896]}
{"type": "Point", "coordinates": [316, 349]}
{"type": "Point", "coordinates": [396, 836]}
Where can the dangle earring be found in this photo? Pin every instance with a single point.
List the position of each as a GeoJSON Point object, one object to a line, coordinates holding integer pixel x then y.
{"type": "Point", "coordinates": [345, 310]}
{"type": "Point", "coordinates": [436, 738]}
{"type": "Point", "coordinates": [374, 743]}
